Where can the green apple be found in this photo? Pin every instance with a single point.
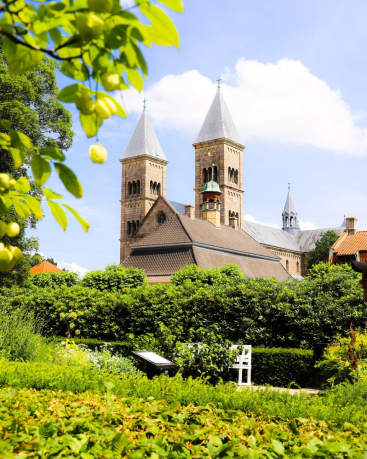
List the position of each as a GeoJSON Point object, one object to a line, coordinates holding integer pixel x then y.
{"type": "Point", "coordinates": [89, 107]}
{"type": "Point", "coordinates": [12, 229]}
{"type": "Point", "coordinates": [111, 81]}
{"type": "Point", "coordinates": [5, 181]}
{"type": "Point", "coordinates": [98, 154]}
{"type": "Point", "coordinates": [17, 253]}
{"type": "Point", "coordinates": [100, 6]}
{"type": "Point", "coordinates": [3, 226]}
{"type": "Point", "coordinates": [6, 259]}
{"type": "Point", "coordinates": [89, 25]}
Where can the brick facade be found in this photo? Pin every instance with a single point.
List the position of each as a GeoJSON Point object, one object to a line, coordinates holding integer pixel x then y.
{"type": "Point", "coordinates": [143, 180]}
{"type": "Point", "coordinates": [293, 262]}
{"type": "Point", "coordinates": [228, 159]}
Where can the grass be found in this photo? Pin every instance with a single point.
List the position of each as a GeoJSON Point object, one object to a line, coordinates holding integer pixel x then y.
{"type": "Point", "coordinates": [343, 404]}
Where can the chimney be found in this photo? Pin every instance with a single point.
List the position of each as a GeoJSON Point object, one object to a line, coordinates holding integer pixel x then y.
{"type": "Point", "coordinates": [351, 225]}
{"type": "Point", "coordinates": [233, 221]}
{"type": "Point", "coordinates": [190, 211]}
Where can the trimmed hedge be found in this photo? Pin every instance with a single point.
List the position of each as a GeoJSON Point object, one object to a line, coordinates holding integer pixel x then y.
{"type": "Point", "coordinates": [275, 366]}
{"type": "Point", "coordinates": [281, 367]}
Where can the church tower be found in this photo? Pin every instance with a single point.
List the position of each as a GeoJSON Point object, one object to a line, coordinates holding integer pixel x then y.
{"type": "Point", "coordinates": [143, 180]}
{"type": "Point", "coordinates": [289, 215]}
{"type": "Point", "coordinates": [219, 141]}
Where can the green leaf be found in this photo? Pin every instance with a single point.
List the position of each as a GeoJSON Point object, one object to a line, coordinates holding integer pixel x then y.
{"type": "Point", "coordinates": [163, 31]}
{"type": "Point", "coordinates": [19, 140]}
{"type": "Point", "coordinates": [21, 208]}
{"type": "Point", "coordinates": [53, 153]}
{"type": "Point", "coordinates": [19, 58]}
{"type": "Point", "coordinates": [4, 139]}
{"type": "Point", "coordinates": [23, 185]}
{"type": "Point", "coordinates": [135, 79]}
{"type": "Point", "coordinates": [34, 205]}
{"type": "Point", "coordinates": [18, 156]}
{"type": "Point", "coordinates": [90, 124]}
{"type": "Point", "coordinates": [41, 169]}
{"type": "Point", "coordinates": [117, 37]}
{"type": "Point", "coordinates": [69, 179]}
{"type": "Point", "coordinates": [51, 194]}
{"type": "Point", "coordinates": [75, 69]}
{"type": "Point", "coordinates": [119, 442]}
{"type": "Point", "coordinates": [47, 429]}
{"type": "Point", "coordinates": [175, 5]}
{"type": "Point", "coordinates": [81, 220]}
{"type": "Point", "coordinates": [59, 214]}
{"type": "Point", "coordinates": [68, 93]}
{"type": "Point", "coordinates": [278, 447]}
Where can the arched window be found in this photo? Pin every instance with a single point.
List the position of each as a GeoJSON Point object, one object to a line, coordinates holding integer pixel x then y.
{"type": "Point", "coordinates": [298, 267]}
{"type": "Point", "coordinates": [205, 176]}
{"type": "Point", "coordinates": [236, 214]}
{"type": "Point", "coordinates": [287, 265]}
{"type": "Point", "coordinates": [134, 187]}
{"type": "Point", "coordinates": [229, 175]}
{"type": "Point", "coordinates": [209, 174]}
{"type": "Point", "coordinates": [129, 228]}
{"type": "Point", "coordinates": [159, 189]}
{"type": "Point", "coordinates": [286, 221]}
{"type": "Point", "coordinates": [215, 173]}
{"type": "Point", "coordinates": [138, 186]}
{"type": "Point", "coordinates": [137, 224]}
{"type": "Point", "coordinates": [291, 221]}
{"type": "Point", "coordinates": [236, 176]}
{"type": "Point", "coordinates": [133, 227]}
{"type": "Point", "coordinates": [130, 188]}
{"type": "Point", "coordinates": [151, 187]}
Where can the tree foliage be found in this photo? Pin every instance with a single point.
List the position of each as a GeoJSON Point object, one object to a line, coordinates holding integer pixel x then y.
{"type": "Point", "coordinates": [320, 254]}
{"type": "Point", "coordinates": [98, 43]}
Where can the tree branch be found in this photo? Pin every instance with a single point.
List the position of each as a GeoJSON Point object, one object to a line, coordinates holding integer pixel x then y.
{"type": "Point", "coordinates": [50, 52]}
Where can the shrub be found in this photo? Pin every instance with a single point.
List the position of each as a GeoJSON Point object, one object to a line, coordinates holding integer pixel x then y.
{"type": "Point", "coordinates": [192, 273]}
{"type": "Point", "coordinates": [345, 360]}
{"type": "Point", "coordinates": [53, 280]}
{"type": "Point", "coordinates": [114, 278]}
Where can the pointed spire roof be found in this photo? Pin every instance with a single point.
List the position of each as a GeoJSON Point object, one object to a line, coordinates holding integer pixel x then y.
{"type": "Point", "coordinates": [289, 204]}
{"type": "Point", "coordinates": [218, 123]}
{"type": "Point", "coordinates": [344, 224]}
{"type": "Point", "coordinates": [144, 141]}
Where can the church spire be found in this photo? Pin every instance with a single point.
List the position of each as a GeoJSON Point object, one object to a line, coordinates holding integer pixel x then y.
{"type": "Point", "coordinates": [289, 215]}
{"type": "Point", "coordinates": [218, 123]}
{"type": "Point", "coordinates": [144, 140]}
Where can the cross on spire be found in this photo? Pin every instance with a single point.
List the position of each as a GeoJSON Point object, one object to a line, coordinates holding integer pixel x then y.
{"type": "Point", "coordinates": [289, 185]}
{"type": "Point", "coordinates": [144, 103]}
{"type": "Point", "coordinates": [219, 80]}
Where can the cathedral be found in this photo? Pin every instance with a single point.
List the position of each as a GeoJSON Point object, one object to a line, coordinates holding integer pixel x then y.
{"type": "Point", "coordinates": [161, 236]}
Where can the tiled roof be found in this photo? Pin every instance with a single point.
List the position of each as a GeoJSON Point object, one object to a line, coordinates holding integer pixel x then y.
{"type": "Point", "coordinates": [178, 206]}
{"type": "Point", "coordinates": [171, 232]}
{"type": "Point", "coordinates": [274, 237]}
{"type": "Point", "coordinates": [352, 244]}
{"type": "Point", "coordinates": [144, 141]}
{"type": "Point", "coordinates": [218, 123]}
{"type": "Point", "coordinates": [45, 267]}
{"type": "Point", "coordinates": [251, 267]}
{"type": "Point", "coordinates": [160, 262]}
{"type": "Point", "coordinates": [306, 239]}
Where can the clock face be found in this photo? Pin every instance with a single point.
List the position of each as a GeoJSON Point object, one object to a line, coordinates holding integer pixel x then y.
{"type": "Point", "coordinates": [161, 218]}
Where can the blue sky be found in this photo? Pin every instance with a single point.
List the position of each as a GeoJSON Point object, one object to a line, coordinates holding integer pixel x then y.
{"type": "Point", "coordinates": [294, 78]}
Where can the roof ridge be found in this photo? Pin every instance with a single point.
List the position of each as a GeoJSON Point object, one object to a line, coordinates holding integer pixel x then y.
{"type": "Point", "coordinates": [183, 226]}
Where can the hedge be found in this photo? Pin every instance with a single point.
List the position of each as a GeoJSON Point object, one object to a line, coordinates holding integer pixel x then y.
{"type": "Point", "coordinates": [275, 366]}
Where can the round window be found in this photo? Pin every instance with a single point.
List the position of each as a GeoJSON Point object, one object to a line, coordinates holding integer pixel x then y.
{"type": "Point", "coordinates": [161, 218]}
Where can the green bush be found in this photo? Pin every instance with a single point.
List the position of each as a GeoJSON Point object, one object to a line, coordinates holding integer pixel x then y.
{"type": "Point", "coordinates": [49, 424]}
{"type": "Point", "coordinates": [281, 367]}
{"type": "Point", "coordinates": [53, 280]}
{"type": "Point", "coordinates": [115, 278]}
{"type": "Point", "coordinates": [226, 274]}
{"type": "Point", "coordinates": [260, 312]}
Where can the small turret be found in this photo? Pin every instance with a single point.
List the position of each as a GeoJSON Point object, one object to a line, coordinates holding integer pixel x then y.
{"type": "Point", "coordinates": [289, 215]}
{"type": "Point", "coordinates": [211, 201]}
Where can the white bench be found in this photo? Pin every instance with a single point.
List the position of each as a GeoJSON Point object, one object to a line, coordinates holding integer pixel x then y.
{"type": "Point", "coordinates": [243, 362]}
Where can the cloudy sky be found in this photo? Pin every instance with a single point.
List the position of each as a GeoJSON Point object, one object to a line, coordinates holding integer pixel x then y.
{"type": "Point", "coordinates": [294, 77]}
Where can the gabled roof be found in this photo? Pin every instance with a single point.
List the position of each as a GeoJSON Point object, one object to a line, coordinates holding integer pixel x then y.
{"type": "Point", "coordinates": [306, 239]}
{"type": "Point", "coordinates": [218, 123]}
{"type": "Point", "coordinates": [351, 244]}
{"type": "Point", "coordinates": [144, 141]}
{"type": "Point", "coordinates": [45, 267]}
{"type": "Point", "coordinates": [178, 206]}
{"type": "Point", "coordinates": [267, 235]}
{"type": "Point", "coordinates": [289, 205]}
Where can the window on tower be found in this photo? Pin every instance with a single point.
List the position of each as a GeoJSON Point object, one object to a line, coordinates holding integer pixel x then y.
{"type": "Point", "coordinates": [205, 176]}
{"type": "Point", "coordinates": [236, 177]}
{"type": "Point", "coordinates": [128, 228]}
{"type": "Point", "coordinates": [215, 174]}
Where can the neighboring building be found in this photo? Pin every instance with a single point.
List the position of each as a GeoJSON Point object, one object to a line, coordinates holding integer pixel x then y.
{"type": "Point", "coordinates": [161, 236]}
{"type": "Point", "coordinates": [45, 267]}
{"type": "Point", "coordinates": [351, 245]}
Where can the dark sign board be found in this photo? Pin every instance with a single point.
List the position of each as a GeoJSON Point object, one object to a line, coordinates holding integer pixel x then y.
{"type": "Point", "coordinates": [154, 360]}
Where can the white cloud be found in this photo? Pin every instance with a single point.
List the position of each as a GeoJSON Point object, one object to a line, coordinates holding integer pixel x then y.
{"type": "Point", "coordinates": [252, 219]}
{"type": "Point", "coordinates": [282, 102]}
{"type": "Point", "coordinates": [306, 225]}
{"type": "Point", "coordinates": [74, 268]}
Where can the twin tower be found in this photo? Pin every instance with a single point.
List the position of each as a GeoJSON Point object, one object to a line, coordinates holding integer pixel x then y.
{"type": "Point", "coordinates": [218, 156]}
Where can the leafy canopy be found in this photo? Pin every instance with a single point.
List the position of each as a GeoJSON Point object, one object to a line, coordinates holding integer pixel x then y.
{"type": "Point", "coordinates": [320, 254]}
{"type": "Point", "coordinates": [98, 44]}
